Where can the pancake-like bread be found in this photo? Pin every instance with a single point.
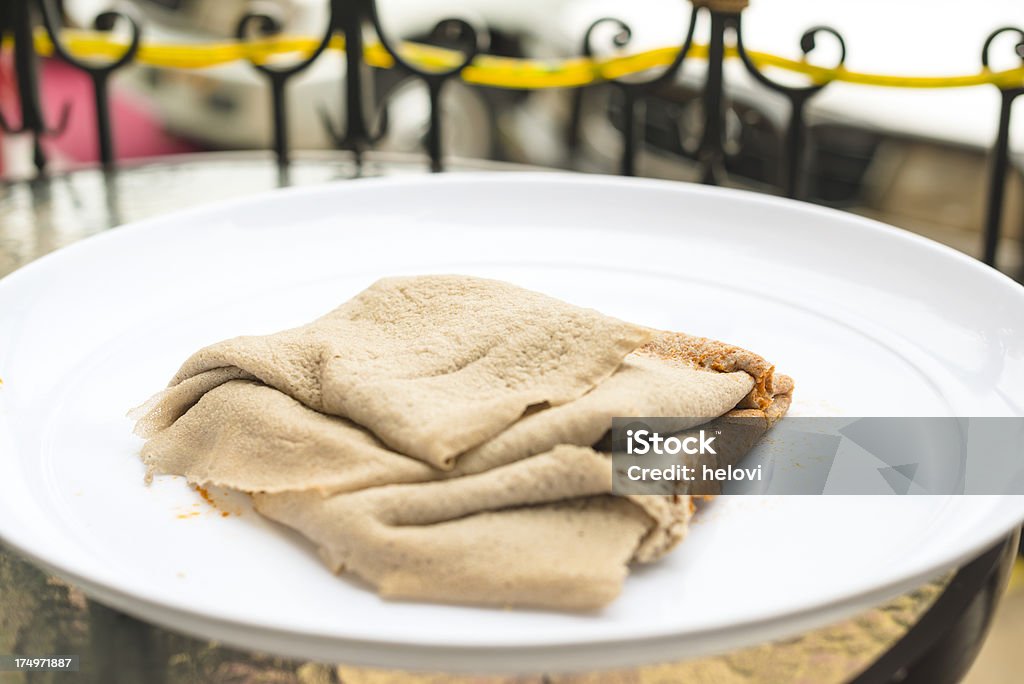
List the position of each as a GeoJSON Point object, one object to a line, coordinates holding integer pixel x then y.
{"type": "Point", "coordinates": [432, 365]}
{"type": "Point", "coordinates": [522, 512]}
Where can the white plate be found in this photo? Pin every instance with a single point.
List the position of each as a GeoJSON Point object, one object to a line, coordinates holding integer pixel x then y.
{"type": "Point", "coordinates": [868, 319]}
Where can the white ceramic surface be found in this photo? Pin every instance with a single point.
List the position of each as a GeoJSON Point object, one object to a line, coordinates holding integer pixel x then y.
{"type": "Point", "coordinates": [870, 320]}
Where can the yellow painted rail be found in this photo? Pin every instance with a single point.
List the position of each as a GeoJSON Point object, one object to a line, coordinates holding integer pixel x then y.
{"type": "Point", "coordinates": [490, 70]}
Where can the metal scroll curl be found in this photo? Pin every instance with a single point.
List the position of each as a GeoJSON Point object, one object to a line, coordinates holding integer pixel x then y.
{"type": "Point", "coordinates": [16, 21]}
{"type": "Point", "coordinates": [1000, 162]}
{"type": "Point", "coordinates": [278, 76]}
{"type": "Point", "coordinates": [632, 90]}
{"type": "Point", "coordinates": [467, 40]}
{"type": "Point", "coordinates": [798, 96]}
{"type": "Point", "coordinates": [98, 73]}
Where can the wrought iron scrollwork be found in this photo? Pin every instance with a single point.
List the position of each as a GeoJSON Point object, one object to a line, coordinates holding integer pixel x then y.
{"type": "Point", "coordinates": [632, 90]}
{"type": "Point", "coordinates": [278, 76]}
{"type": "Point", "coordinates": [710, 151]}
{"type": "Point", "coordinates": [99, 74]}
{"type": "Point", "coordinates": [349, 17]}
{"type": "Point", "coordinates": [1001, 150]}
{"type": "Point", "coordinates": [793, 144]}
{"type": "Point", "coordinates": [16, 20]}
{"type": "Point", "coordinates": [470, 44]}
{"type": "Point", "coordinates": [345, 17]}
{"type": "Point", "coordinates": [343, 141]}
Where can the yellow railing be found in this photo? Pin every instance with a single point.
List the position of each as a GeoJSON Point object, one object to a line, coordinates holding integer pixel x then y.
{"type": "Point", "coordinates": [490, 70]}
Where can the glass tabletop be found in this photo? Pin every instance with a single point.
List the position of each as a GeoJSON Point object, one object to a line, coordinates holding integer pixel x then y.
{"type": "Point", "coordinates": [38, 216]}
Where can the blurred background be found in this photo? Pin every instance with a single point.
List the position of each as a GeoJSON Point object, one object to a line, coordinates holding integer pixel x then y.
{"type": "Point", "coordinates": [916, 158]}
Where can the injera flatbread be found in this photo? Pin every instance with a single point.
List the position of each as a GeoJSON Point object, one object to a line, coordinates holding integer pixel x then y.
{"type": "Point", "coordinates": [542, 531]}
{"type": "Point", "coordinates": [538, 532]}
{"type": "Point", "coordinates": [248, 436]}
{"type": "Point", "coordinates": [524, 516]}
{"type": "Point", "coordinates": [432, 365]}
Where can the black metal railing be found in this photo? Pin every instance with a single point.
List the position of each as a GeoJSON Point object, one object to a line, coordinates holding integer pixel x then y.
{"type": "Point", "coordinates": [362, 130]}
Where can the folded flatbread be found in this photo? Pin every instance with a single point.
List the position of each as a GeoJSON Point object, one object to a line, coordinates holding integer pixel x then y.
{"type": "Point", "coordinates": [432, 365]}
{"type": "Point", "coordinates": [248, 436]}
{"type": "Point", "coordinates": [433, 437]}
{"type": "Point", "coordinates": [464, 539]}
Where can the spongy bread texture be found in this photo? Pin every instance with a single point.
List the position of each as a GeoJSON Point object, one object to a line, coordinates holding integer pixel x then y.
{"type": "Point", "coordinates": [245, 435]}
{"type": "Point", "coordinates": [432, 365]}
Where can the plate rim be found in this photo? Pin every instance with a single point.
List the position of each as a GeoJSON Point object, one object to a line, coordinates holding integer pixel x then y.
{"type": "Point", "coordinates": [499, 177]}
{"type": "Point", "coordinates": [166, 612]}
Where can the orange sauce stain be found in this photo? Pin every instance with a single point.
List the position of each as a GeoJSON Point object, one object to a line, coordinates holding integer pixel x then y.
{"type": "Point", "coordinates": [208, 498]}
